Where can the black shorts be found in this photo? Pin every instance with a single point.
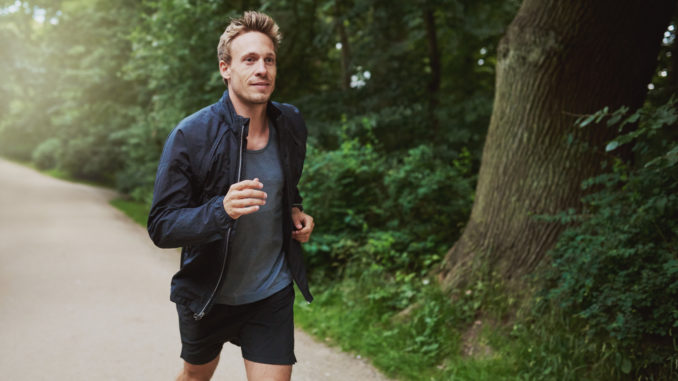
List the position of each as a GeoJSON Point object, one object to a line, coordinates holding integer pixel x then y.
{"type": "Point", "coordinates": [264, 330]}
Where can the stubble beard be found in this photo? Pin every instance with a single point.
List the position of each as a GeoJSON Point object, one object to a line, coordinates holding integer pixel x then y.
{"type": "Point", "coordinates": [259, 99]}
{"type": "Point", "coordinates": [252, 99]}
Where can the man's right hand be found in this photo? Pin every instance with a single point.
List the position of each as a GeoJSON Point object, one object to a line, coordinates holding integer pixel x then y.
{"type": "Point", "coordinates": [244, 198]}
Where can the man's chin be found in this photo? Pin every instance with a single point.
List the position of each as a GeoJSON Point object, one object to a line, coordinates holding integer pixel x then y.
{"type": "Point", "coordinates": [252, 99]}
{"type": "Point", "coordinates": [259, 99]}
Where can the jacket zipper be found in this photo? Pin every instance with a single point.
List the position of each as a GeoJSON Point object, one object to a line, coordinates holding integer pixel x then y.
{"type": "Point", "coordinates": [201, 314]}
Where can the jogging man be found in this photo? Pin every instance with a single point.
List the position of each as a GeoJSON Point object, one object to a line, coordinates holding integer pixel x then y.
{"type": "Point", "coordinates": [226, 192]}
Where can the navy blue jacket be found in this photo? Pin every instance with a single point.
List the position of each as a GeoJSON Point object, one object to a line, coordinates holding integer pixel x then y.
{"type": "Point", "coordinates": [202, 157]}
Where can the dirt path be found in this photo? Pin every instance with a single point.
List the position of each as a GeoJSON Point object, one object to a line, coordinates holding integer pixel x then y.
{"type": "Point", "coordinates": [84, 293]}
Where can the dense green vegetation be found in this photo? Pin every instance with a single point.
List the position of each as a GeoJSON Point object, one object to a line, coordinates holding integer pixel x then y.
{"type": "Point", "coordinates": [616, 266]}
{"type": "Point", "coordinates": [397, 97]}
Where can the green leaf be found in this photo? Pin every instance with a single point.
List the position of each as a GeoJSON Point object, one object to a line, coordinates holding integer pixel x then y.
{"type": "Point", "coordinates": [600, 115]}
{"type": "Point", "coordinates": [626, 366]}
{"type": "Point", "coordinates": [611, 146]}
{"type": "Point", "coordinates": [587, 121]}
{"type": "Point", "coordinates": [633, 118]}
{"type": "Point", "coordinates": [615, 118]}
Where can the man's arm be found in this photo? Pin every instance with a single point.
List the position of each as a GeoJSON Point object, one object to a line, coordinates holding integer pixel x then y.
{"type": "Point", "coordinates": [300, 135]}
{"type": "Point", "coordinates": [172, 222]}
{"type": "Point", "coordinates": [303, 223]}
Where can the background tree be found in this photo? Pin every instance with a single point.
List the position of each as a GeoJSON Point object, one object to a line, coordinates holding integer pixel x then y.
{"type": "Point", "coordinates": [556, 62]}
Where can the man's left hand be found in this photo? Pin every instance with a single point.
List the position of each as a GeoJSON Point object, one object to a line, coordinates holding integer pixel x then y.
{"type": "Point", "coordinates": [304, 225]}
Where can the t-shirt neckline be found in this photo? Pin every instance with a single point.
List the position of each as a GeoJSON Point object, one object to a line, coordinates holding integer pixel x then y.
{"type": "Point", "coordinates": [268, 143]}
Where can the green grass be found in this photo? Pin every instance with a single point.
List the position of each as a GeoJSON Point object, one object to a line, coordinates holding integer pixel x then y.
{"type": "Point", "coordinates": [421, 344]}
{"type": "Point", "coordinates": [364, 314]}
{"type": "Point", "coordinates": [63, 175]}
{"type": "Point", "coordinates": [137, 211]}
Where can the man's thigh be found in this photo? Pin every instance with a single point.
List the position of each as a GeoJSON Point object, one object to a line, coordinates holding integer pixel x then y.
{"type": "Point", "coordinates": [268, 336]}
{"type": "Point", "coordinates": [267, 372]}
{"type": "Point", "coordinates": [202, 340]}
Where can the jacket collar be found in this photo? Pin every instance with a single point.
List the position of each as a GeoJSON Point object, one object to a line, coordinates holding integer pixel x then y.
{"type": "Point", "coordinates": [234, 120]}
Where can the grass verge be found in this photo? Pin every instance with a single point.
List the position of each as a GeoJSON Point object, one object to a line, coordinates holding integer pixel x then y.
{"type": "Point", "coordinates": [424, 341]}
{"type": "Point", "coordinates": [137, 211]}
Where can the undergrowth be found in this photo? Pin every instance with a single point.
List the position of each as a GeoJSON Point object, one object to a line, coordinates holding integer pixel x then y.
{"type": "Point", "coordinates": [426, 340]}
{"type": "Point", "coordinates": [602, 308]}
{"type": "Point", "coordinates": [613, 280]}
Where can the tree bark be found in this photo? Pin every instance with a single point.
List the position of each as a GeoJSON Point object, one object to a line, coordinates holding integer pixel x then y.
{"type": "Point", "coordinates": [557, 60]}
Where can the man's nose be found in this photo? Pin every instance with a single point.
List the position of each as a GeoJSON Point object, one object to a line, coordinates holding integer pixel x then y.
{"type": "Point", "coordinates": [261, 68]}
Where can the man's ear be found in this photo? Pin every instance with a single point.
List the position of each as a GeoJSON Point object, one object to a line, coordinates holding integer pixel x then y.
{"type": "Point", "coordinates": [225, 70]}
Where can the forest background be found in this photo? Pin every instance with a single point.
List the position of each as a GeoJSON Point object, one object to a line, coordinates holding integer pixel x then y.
{"type": "Point", "coordinates": [403, 102]}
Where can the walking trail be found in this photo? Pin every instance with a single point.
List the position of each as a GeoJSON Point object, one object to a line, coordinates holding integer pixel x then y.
{"type": "Point", "coordinates": [84, 294]}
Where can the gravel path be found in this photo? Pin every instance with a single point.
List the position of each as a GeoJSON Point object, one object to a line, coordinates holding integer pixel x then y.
{"type": "Point", "coordinates": [84, 293]}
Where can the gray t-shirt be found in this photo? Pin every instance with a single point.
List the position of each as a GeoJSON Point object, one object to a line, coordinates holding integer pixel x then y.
{"type": "Point", "coordinates": [257, 267]}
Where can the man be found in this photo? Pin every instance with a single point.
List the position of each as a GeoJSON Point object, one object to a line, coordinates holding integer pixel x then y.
{"type": "Point", "coordinates": [226, 192]}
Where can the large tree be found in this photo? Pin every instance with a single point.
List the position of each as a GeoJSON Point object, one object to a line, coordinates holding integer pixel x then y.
{"type": "Point", "coordinates": [557, 60]}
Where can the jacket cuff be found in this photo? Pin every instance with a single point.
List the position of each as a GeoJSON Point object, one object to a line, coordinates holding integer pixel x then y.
{"type": "Point", "coordinates": [223, 219]}
{"type": "Point", "coordinates": [300, 206]}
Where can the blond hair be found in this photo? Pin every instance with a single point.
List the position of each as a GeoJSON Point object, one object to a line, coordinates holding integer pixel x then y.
{"type": "Point", "coordinates": [250, 21]}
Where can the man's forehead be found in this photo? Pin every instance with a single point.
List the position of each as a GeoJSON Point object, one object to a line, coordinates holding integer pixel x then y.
{"type": "Point", "coordinates": [252, 42]}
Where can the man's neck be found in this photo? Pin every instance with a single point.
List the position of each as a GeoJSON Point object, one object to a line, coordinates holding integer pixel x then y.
{"type": "Point", "coordinates": [255, 112]}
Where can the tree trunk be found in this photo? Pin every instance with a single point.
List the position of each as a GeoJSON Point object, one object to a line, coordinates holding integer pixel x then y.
{"type": "Point", "coordinates": [557, 60]}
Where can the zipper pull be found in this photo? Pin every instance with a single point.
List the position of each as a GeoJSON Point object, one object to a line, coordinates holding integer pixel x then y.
{"type": "Point", "coordinates": [199, 316]}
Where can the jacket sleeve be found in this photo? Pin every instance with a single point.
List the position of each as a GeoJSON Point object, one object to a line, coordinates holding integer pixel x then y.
{"type": "Point", "coordinates": [301, 134]}
{"type": "Point", "coordinates": [173, 221]}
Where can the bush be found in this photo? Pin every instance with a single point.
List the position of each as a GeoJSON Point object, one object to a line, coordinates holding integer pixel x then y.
{"type": "Point", "coordinates": [396, 210]}
{"type": "Point", "coordinates": [92, 157]}
{"type": "Point", "coordinates": [430, 194]}
{"type": "Point", "coordinates": [46, 155]}
{"type": "Point", "coordinates": [616, 272]}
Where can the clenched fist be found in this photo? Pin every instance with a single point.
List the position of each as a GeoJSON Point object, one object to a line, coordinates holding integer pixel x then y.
{"type": "Point", "coordinates": [244, 197]}
{"type": "Point", "coordinates": [304, 225]}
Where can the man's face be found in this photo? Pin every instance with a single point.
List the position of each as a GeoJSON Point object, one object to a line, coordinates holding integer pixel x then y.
{"type": "Point", "coordinates": [251, 73]}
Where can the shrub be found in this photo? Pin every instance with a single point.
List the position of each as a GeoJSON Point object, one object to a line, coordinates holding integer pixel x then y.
{"type": "Point", "coordinates": [46, 155]}
{"type": "Point", "coordinates": [616, 272]}
{"type": "Point", "coordinates": [395, 210]}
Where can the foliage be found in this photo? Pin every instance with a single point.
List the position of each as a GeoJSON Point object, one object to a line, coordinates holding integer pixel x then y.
{"type": "Point", "coordinates": [22, 127]}
{"type": "Point", "coordinates": [68, 85]}
{"type": "Point", "coordinates": [421, 342]}
{"type": "Point", "coordinates": [393, 211]}
{"type": "Point", "coordinates": [46, 155]}
{"type": "Point", "coordinates": [614, 271]}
